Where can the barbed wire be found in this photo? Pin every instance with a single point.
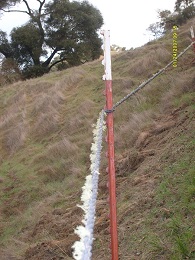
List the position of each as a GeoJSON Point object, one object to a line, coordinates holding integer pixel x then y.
{"type": "Point", "coordinates": [143, 84]}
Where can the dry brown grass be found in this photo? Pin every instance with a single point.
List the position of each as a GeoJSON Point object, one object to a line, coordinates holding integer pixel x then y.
{"type": "Point", "coordinates": [46, 125]}
{"type": "Point", "coordinates": [46, 101]}
{"type": "Point", "coordinates": [7, 120]}
{"type": "Point", "coordinates": [181, 84]}
{"type": "Point", "coordinates": [15, 107]}
{"type": "Point", "coordinates": [150, 62]}
{"type": "Point", "coordinates": [126, 135]}
{"type": "Point", "coordinates": [9, 78]}
{"type": "Point", "coordinates": [50, 174]}
{"type": "Point", "coordinates": [71, 79]}
{"type": "Point", "coordinates": [75, 122]}
{"type": "Point", "coordinates": [86, 107]}
{"type": "Point", "coordinates": [15, 137]}
{"type": "Point", "coordinates": [63, 148]}
{"type": "Point", "coordinates": [13, 123]}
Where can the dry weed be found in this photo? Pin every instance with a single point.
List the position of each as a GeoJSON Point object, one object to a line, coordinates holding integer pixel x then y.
{"type": "Point", "coordinates": [46, 112]}
{"type": "Point", "coordinates": [19, 98]}
{"type": "Point", "coordinates": [150, 62]}
{"type": "Point", "coordinates": [73, 77]}
{"type": "Point", "coordinates": [37, 86]}
{"type": "Point", "coordinates": [61, 149]}
{"type": "Point", "coordinates": [180, 84]}
{"type": "Point", "coordinates": [46, 124]}
{"type": "Point", "coordinates": [75, 122]}
{"type": "Point", "coordinates": [86, 107]}
{"type": "Point", "coordinates": [15, 137]}
{"type": "Point", "coordinates": [7, 120]}
{"type": "Point", "coordinates": [49, 173]}
{"type": "Point", "coordinates": [127, 133]}
{"type": "Point", "coordinates": [47, 101]}
{"type": "Point", "coordinates": [75, 171]}
{"type": "Point", "coordinates": [13, 124]}
{"type": "Point", "coordinates": [123, 85]}
{"type": "Point", "coordinates": [16, 109]}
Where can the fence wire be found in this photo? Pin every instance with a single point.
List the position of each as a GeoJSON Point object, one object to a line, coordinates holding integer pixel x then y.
{"type": "Point", "coordinates": [82, 248]}
{"type": "Point", "coordinates": [143, 84]}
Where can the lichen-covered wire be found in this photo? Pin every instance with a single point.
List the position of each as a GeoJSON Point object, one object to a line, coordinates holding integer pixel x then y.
{"type": "Point", "coordinates": [83, 248]}
{"type": "Point", "coordinates": [143, 84]}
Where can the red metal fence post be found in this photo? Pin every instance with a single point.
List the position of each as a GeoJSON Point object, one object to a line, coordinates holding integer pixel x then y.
{"type": "Point", "coordinates": [110, 140]}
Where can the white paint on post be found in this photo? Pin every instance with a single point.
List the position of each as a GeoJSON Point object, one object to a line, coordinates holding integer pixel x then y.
{"type": "Point", "coordinates": [192, 32]}
{"type": "Point", "coordinates": [107, 57]}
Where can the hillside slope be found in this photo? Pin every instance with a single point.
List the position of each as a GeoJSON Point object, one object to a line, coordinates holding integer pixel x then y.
{"type": "Point", "coordinates": [45, 137]}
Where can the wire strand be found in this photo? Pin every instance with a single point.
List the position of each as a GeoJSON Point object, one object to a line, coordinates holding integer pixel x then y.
{"type": "Point", "coordinates": [143, 84]}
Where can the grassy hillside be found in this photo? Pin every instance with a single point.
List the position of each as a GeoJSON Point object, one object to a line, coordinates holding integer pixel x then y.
{"type": "Point", "coordinates": [45, 137]}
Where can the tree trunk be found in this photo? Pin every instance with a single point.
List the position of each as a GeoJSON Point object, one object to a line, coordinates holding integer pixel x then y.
{"type": "Point", "coordinates": [47, 62]}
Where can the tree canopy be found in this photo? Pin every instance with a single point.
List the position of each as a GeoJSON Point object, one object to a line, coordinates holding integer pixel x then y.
{"type": "Point", "coordinates": [183, 11]}
{"type": "Point", "coordinates": [57, 32]}
{"type": "Point", "coordinates": [182, 4]}
{"type": "Point", "coordinates": [8, 3]}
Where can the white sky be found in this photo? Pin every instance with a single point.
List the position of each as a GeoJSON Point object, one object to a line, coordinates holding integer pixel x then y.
{"type": "Point", "coordinates": [127, 20]}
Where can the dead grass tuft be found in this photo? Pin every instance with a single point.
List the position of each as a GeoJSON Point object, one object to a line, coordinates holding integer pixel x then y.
{"type": "Point", "coordinates": [72, 78]}
{"type": "Point", "coordinates": [86, 107]}
{"type": "Point", "coordinates": [181, 84]}
{"type": "Point", "coordinates": [62, 149]}
{"type": "Point", "coordinates": [15, 137]}
{"type": "Point", "coordinates": [76, 122]}
{"type": "Point", "coordinates": [16, 110]}
{"type": "Point", "coordinates": [47, 101]}
{"type": "Point", "coordinates": [46, 124]}
{"type": "Point", "coordinates": [127, 134]}
{"type": "Point", "coordinates": [13, 124]}
{"type": "Point", "coordinates": [45, 110]}
{"type": "Point", "coordinates": [37, 86]}
{"type": "Point", "coordinates": [49, 173]}
{"type": "Point", "coordinates": [75, 171]}
{"type": "Point", "coordinates": [7, 120]}
{"type": "Point", "coordinates": [150, 62]}
{"type": "Point", "coordinates": [123, 85]}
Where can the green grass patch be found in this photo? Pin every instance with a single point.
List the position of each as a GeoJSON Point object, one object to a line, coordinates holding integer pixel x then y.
{"type": "Point", "coordinates": [186, 98]}
{"type": "Point", "coordinates": [177, 194]}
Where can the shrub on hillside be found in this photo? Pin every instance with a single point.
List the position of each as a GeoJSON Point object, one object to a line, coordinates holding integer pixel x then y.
{"type": "Point", "coordinates": [9, 72]}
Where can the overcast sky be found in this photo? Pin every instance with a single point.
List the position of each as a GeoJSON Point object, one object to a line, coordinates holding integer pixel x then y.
{"type": "Point", "coordinates": [127, 20]}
